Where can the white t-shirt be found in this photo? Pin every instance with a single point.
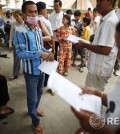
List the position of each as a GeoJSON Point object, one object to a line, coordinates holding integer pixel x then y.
{"type": "Point", "coordinates": [99, 64]}
{"type": "Point", "coordinates": [113, 110]}
{"type": "Point", "coordinates": [118, 14]}
{"type": "Point", "coordinates": [96, 25]}
{"type": "Point", "coordinates": [47, 23]}
{"type": "Point", "coordinates": [56, 21]}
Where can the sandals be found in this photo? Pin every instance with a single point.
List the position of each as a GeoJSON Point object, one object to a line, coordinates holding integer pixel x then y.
{"type": "Point", "coordinates": [13, 77]}
{"type": "Point", "coordinates": [38, 129]}
{"type": "Point", "coordinates": [40, 113]}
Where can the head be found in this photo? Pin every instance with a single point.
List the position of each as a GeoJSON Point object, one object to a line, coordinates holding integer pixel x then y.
{"type": "Point", "coordinates": [105, 6]}
{"type": "Point", "coordinates": [41, 7]}
{"type": "Point", "coordinates": [8, 13]}
{"type": "Point", "coordinates": [29, 10]}
{"type": "Point", "coordinates": [18, 16]}
{"type": "Point", "coordinates": [77, 14]}
{"type": "Point", "coordinates": [69, 12]}
{"type": "Point", "coordinates": [117, 35]}
{"type": "Point", "coordinates": [57, 5]}
{"type": "Point", "coordinates": [86, 21]}
{"type": "Point", "coordinates": [89, 9]}
{"type": "Point", "coordinates": [66, 20]}
{"type": "Point", "coordinates": [95, 12]}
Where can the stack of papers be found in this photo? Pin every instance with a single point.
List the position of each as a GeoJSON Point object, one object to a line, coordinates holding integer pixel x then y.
{"type": "Point", "coordinates": [71, 93]}
{"type": "Point", "coordinates": [74, 39]}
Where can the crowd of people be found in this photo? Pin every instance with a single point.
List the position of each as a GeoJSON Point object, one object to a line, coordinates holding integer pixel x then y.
{"type": "Point", "coordinates": [33, 38]}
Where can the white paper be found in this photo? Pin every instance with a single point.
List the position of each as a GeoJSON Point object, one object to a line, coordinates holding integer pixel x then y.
{"type": "Point", "coordinates": [72, 23]}
{"type": "Point", "coordinates": [71, 93]}
{"type": "Point", "coordinates": [74, 39]}
{"type": "Point", "coordinates": [48, 67]}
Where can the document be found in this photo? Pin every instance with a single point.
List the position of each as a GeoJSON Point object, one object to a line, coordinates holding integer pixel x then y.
{"type": "Point", "coordinates": [48, 67]}
{"type": "Point", "coordinates": [71, 94]}
{"type": "Point", "coordinates": [74, 39]}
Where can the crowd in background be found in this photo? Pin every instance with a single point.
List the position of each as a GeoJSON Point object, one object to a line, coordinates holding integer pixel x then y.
{"type": "Point", "coordinates": [33, 37]}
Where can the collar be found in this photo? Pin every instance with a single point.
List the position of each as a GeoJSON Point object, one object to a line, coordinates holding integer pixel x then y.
{"type": "Point", "coordinates": [28, 28]}
{"type": "Point", "coordinates": [108, 15]}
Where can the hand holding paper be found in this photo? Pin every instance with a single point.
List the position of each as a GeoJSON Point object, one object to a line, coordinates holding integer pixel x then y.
{"type": "Point", "coordinates": [71, 93]}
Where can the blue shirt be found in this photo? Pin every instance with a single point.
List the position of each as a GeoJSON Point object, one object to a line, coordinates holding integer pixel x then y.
{"type": "Point", "coordinates": [28, 46]}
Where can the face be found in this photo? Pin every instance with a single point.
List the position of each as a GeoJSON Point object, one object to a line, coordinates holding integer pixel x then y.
{"type": "Point", "coordinates": [57, 7]}
{"type": "Point", "coordinates": [44, 12]}
{"type": "Point", "coordinates": [95, 13]}
{"type": "Point", "coordinates": [18, 17]}
{"type": "Point", "coordinates": [104, 6]}
{"type": "Point", "coordinates": [117, 39]}
{"type": "Point", "coordinates": [84, 23]}
{"type": "Point", "coordinates": [8, 15]}
{"type": "Point", "coordinates": [31, 11]}
{"type": "Point", "coordinates": [65, 21]}
{"type": "Point", "coordinates": [77, 17]}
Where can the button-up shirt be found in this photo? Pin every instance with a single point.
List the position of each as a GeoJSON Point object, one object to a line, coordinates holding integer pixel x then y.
{"type": "Point", "coordinates": [99, 64]}
{"type": "Point", "coordinates": [29, 45]}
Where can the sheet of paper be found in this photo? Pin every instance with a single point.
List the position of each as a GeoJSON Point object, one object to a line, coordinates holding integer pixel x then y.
{"type": "Point", "coordinates": [72, 23]}
{"type": "Point", "coordinates": [71, 93]}
{"type": "Point", "coordinates": [74, 39]}
{"type": "Point", "coordinates": [48, 67]}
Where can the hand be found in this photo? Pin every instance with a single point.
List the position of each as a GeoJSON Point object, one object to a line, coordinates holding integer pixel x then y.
{"type": "Point", "coordinates": [88, 90]}
{"type": "Point", "coordinates": [84, 117]}
{"type": "Point", "coordinates": [80, 45]}
{"type": "Point", "coordinates": [76, 27]}
{"type": "Point", "coordinates": [47, 56]}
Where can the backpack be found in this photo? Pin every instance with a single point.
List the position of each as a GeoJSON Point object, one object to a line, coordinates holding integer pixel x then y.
{"type": "Point", "coordinates": [7, 27]}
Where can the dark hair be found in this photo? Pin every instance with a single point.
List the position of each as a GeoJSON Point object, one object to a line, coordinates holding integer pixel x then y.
{"type": "Point", "coordinates": [69, 11]}
{"type": "Point", "coordinates": [87, 20]}
{"type": "Point", "coordinates": [118, 27]}
{"type": "Point", "coordinates": [77, 13]}
{"type": "Point", "coordinates": [24, 5]}
{"type": "Point", "coordinates": [60, 2]}
{"type": "Point", "coordinates": [68, 18]}
{"type": "Point", "coordinates": [40, 5]}
{"type": "Point", "coordinates": [95, 10]}
{"type": "Point", "coordinates": [89, 9]}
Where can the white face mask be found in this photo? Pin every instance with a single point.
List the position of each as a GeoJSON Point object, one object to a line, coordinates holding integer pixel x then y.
{"type": "Point", "coordinates": [32, 20]}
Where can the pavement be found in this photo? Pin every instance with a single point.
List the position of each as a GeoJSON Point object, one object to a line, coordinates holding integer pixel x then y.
{"type": "Point", "coordinates": [58, 116]}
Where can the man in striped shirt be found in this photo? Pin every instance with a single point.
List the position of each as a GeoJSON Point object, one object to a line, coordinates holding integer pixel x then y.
{"type": "Point", "coordinates": [29, 47]}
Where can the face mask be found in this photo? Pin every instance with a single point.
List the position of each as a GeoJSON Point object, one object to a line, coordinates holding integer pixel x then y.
{"type": "Point", "coordinates": [32, 20]}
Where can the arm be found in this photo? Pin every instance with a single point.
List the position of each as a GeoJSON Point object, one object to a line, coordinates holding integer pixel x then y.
{"type": "Point", "coordinates": [46, 33]}
{"type": "Point", "coordinates": [94, 48]}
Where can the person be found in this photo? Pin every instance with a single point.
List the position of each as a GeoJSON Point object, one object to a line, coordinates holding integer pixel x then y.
{"type": "Point", "coordinates": [88, 13]}
{"type": "Point", "coordinates": [42, 13]}
{"type": "Point", "coordinates": [69, 12]}
{"type": "Point", "coordinates": [94, 24]}
{"type": "Point", "coordinates": [103, 49]}
{"type": "Point", "coordinates": [56, 21]}
{"type": "Point", "coordinates": [4, 99]}
{"type": "Point", "coordinates": [8, 20]}
{"type": "Point", "coordinates": [77, 24]}
{"type": "Point", "coordinates": [65, 47]}
{"type": "Point", "coordinates": [86, 36]}
{"type": "Point", "coordinates": [117, 62]}
{"type": "Point", "coordinates": [16, 62]}
{"type": "Point", "coordinates": [28, 42]}
{"type": "Point", "coordinates": [111, 101]}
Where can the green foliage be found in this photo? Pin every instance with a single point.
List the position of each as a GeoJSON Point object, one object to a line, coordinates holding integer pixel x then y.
{"type": "Point", "coordinates": [116, 4]}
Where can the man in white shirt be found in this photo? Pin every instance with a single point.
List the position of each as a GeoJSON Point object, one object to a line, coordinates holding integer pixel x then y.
{"type": "Point", "coordinates": [103, 51]}
{"type": "Point", "coordinates": [95, 23]}
{"type": "Point", "coordinates": [56, 21]}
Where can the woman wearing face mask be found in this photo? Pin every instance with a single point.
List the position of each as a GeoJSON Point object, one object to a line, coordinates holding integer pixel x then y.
{"type": "Point", "coordinates": [16, 62]}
